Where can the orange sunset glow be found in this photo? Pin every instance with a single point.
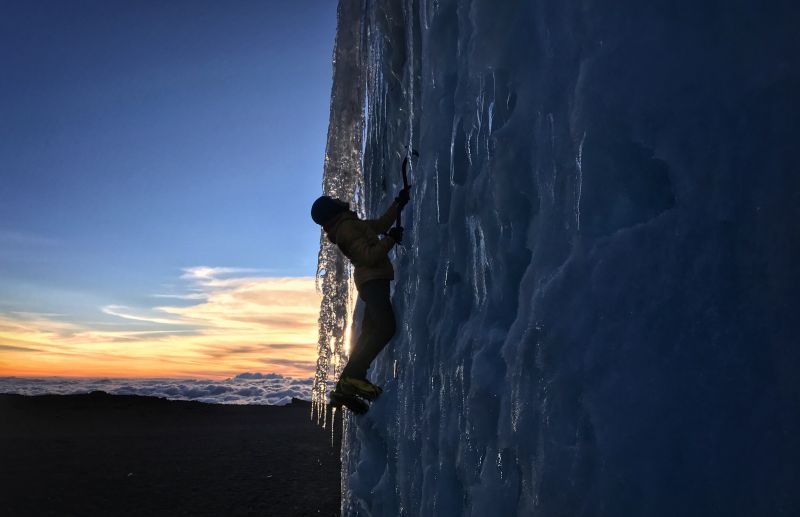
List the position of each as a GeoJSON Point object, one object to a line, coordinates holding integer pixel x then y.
{"type": "Point", "coordinates": [222, 326]}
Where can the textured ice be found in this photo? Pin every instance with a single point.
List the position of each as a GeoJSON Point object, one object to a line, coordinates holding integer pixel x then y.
{"type": "Point", "coordinates": [598, 298]}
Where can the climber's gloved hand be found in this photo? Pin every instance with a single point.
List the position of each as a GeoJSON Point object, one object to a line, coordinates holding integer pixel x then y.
{"type": "Point", "coordinates": [396, 234]}
{"type": "Point", "coordinates": [403, 197]}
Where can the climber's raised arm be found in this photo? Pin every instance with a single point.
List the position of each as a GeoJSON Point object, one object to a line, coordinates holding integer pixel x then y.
{"type": "Point", "coordinates": [384, 222]}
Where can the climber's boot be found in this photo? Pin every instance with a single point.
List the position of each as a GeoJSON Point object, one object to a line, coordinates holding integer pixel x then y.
{"type": "Point", "coordinates": [351, 402]}
{"type": "Point", "coordinates": [359, 387]}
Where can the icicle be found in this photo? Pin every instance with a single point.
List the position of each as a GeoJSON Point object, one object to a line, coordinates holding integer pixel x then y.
{"type": "Point", "coordinates": [343, 179]}
{"type": "Point", "coordinates": [333, 421]}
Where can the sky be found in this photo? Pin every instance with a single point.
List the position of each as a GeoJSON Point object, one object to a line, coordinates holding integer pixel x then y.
{"type": "Point", "coordinates": [157, 165]}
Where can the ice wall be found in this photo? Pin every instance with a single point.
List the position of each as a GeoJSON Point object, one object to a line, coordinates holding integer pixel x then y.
{"type": "Point", "coordinates": [598, 297]}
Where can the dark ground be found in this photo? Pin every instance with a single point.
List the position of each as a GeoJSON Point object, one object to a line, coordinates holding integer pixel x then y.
{"type": "Point", "coordinates": [113, 455]}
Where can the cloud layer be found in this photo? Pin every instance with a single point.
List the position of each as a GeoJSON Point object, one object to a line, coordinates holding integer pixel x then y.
{"type": "Point", "coordinates": [219, 322]}
{"type": "Point", "coordinates": [245, 388]}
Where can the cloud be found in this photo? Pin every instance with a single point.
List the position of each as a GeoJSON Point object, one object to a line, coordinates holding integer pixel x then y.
{"type": "Point", "coordinates": [279, 346]}
{"type": "Point", "coordinates": [302, 365]}
{"type": "Point", "coordinates": [245, 388]}
{"type": "Point", "coordinates": [18, 348]}
{"type": "Point", "coordinates": [121, 311]}
{"type": "Point", "coordinates": [234, 322]}
{"type": "Point", "coordinates": [248, 375]}
{"type": "Point", "coordinates": [189, 296]}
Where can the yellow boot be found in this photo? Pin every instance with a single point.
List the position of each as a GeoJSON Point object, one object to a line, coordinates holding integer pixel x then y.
{"type": "Point", "coordinates": [359, 387]}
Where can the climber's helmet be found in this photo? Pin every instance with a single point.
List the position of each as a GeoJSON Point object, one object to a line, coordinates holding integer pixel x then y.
{"type": "Point", "coordinates": [326, 208]}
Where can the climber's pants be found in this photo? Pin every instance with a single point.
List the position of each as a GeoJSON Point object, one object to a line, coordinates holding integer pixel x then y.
{"type": "Point", "coordinates": [377, 327]}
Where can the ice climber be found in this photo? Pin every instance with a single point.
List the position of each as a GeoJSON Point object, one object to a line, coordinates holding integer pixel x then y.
{"type": "Point", "coordinates": [360, 242]}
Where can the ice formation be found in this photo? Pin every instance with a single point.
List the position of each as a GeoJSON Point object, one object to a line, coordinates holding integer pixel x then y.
{"type": "Point", "coordinates": [597, 300]}
{"type": "Point", "coordinates": [342, 179]}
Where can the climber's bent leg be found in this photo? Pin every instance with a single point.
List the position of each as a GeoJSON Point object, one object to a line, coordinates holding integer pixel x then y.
{"type": "Point", "coordinates": [377, 328]}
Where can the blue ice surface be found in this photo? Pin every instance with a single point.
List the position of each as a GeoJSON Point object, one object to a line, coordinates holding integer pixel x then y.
{"type": "Point", "coordinates": [598, 296]}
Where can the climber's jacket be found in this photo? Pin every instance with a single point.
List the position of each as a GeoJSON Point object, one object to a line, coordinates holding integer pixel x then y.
{"type": "Point", "coordinates": [359, 241]}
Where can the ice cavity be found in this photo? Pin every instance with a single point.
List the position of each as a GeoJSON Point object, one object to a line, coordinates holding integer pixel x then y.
{"type": "Point", "coordinates": [597, 301]}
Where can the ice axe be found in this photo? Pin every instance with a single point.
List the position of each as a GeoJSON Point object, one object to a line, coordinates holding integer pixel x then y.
{"type": "Point", "coordinates": [413, 154]}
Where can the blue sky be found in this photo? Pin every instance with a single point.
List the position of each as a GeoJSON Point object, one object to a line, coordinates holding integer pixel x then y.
{"type": "Point", "coordinates": [140, 138]}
